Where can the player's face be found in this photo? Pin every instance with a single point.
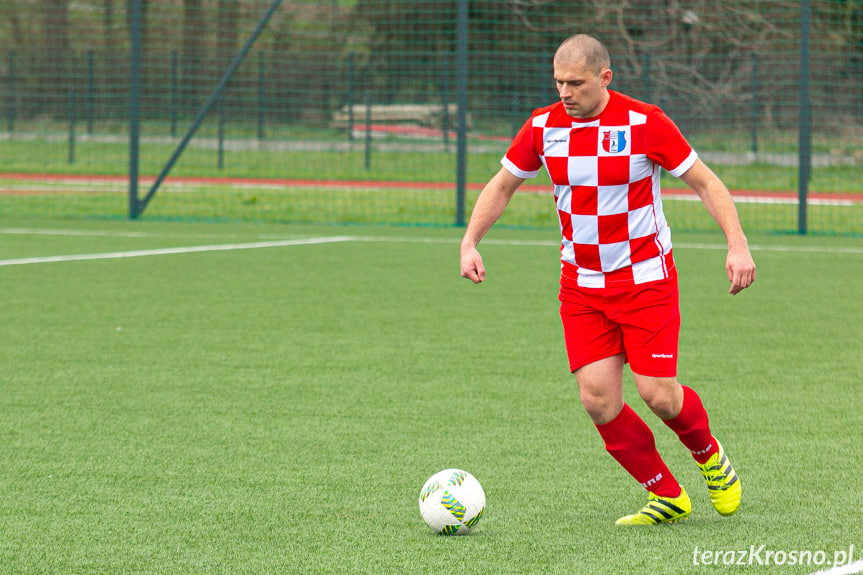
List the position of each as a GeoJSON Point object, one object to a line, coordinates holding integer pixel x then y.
{"type": "Point", "coordinates": [584, 93]}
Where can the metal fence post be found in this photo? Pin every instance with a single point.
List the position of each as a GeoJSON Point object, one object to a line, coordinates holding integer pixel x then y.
{"type": "Point", "coordinates": [261, 98]}
{"type": "Point", "coordinates": [220, 123]}
{"type": "Point", "coordinates": [805, 126]}
{"type": "Point", "coordinates": [645, 76]}
{"type": "Point", "coordinates": [174, 101]}
{"type": "Point", "coordinates": [461, 97]}
{"type": "Point", "coordinates": [368, 155]}
{"type": "Point", "coordinates": [91, 90]}
{"type": "Point", "coordinates": [350, 96]}
{"type": "Point", "coordinates": [72, 114]}
{"type": "Point", "coordinates": [515, 106]}
{"type": "Point", "coordinates": [755, 102]}
{"type": "Point", "coordinates": [444, 89]}
{"type": "Point", "coordinates": [10, 119]}
{"type": "Point", "coordinates": [134, 94]}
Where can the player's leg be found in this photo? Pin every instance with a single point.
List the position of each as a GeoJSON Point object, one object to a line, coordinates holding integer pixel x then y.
{"type": "Point", "coordinates": [651, 340]}
{"type": "Point", "coordinates": [663, 395]}
{"type": "Point", "coordinates": [680, 408]}
{"type": "Point", "coordinates": [630, 441]}
{"type": "Point", "coordinates": [595, 349]}
{"type": "Point", "coordinates": [691, 425]}
{"type": "Point", "coordinates": [650, 323]}
{"type": "Point", "coordinates": [600, 388]}
{"type": "Point", "coordinates": [638, 312]}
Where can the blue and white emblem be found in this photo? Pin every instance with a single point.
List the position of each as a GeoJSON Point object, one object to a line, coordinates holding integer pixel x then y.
{"type": "Point", "coordinates": [614, 141]}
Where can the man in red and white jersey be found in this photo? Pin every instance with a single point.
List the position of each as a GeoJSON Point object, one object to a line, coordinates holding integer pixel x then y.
{"type": "Point", "coordinates": [618, 289]}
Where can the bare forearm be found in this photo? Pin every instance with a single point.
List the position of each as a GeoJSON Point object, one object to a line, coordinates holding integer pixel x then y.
{"type": "Point", "coordinates": [717, 199]}
{"type": "Point", "coordinates": [718, 202]}
{"type": "Point", "coordinates": [489, 206]}
{"type": "Point", "coordinates": [720, 206]}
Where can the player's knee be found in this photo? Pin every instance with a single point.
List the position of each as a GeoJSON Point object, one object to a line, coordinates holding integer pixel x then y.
{"type": "Point", "coordinates": [601, 408]}
{"type": "Point", "coordinates": [663, 396]}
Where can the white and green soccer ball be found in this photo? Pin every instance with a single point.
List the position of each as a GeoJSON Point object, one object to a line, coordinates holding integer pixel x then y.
{"type": "Point", "coordinates": [452, 502]}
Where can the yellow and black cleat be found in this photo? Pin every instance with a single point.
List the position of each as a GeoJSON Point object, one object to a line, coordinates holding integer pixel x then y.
{"type": "Point", "coordinates": [722, 482]}
{"type": "Point", "coordinates": [660, 510]}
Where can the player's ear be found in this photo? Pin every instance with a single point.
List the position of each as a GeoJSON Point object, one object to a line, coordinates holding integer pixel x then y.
{"type": "Point", "coordinates": [605, 77]}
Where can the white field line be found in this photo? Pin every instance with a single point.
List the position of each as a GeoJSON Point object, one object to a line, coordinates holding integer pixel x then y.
{"type": "Point", "coordinates": [169, 251]}
{"type": "Point", "coordinates": [336, 239]}
{"type": "Point", "coordinates": [180, 187]}
{"type": "Point", "coordinates": [789, 249]}
{"type": "Point", "coordinates": [128, 234]}
{"type": "Point", "coordinates": [551, 243]}
{"type": "Point", "coordinates": [850, 569]}
{"type": "Point", "coordinates": [680, 245]}
{"type": "Point", "coordinates": [49, 232]}
{"type": "Point", "coordinates": [812, 200]}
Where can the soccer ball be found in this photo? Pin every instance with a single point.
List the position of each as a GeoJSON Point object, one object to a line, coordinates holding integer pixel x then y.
{"type": "Point", "coordinates": [452, 502]}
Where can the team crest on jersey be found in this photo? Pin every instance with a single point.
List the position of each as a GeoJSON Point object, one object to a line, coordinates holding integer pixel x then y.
{"type": "Point", "coordinates": [614, 141]}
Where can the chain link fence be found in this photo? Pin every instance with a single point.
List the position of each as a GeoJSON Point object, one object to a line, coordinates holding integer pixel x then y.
{"type": "Point", "coordinates": [354, 110]}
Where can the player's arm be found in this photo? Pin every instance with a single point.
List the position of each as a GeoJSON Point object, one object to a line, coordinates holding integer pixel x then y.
{"type": "Point", "coordinates": [489, 206]}
{"type": "Point", "coordinates": [717, 199]}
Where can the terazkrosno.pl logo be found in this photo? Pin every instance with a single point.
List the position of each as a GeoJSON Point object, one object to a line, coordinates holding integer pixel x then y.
{"type": "Point", "coordinates": [761, 555]}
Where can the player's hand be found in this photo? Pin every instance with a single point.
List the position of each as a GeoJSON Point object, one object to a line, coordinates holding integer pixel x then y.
{"type": "Point", "coordinates": [471, 265]}
{"type": "Point", "coordinates": [740, 268]}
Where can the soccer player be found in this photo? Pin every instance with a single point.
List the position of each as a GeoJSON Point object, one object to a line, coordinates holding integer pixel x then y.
{"type": "Point", "coordinates": [618, 287]}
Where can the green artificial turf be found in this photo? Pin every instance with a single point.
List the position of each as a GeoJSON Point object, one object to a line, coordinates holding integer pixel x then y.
{"type": "Point", "coordinates": [277, 410]}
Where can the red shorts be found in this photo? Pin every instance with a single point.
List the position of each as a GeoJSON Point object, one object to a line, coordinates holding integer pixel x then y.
{"type": "Point", "coordinates": [641, 321]}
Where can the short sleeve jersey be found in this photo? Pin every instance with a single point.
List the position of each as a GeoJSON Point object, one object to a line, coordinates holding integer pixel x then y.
{"type": "Point", "coordinates": [605, 172]}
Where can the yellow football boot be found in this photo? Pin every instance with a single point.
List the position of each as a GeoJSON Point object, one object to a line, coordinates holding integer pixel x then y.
{"type": "Point", "coordinates": [722, 481]}
{"type": "Point", "coordinates": [660, 510]}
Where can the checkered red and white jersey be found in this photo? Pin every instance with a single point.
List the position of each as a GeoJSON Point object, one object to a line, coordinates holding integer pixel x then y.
{"type": "Point", "coordinates": [605, 172]}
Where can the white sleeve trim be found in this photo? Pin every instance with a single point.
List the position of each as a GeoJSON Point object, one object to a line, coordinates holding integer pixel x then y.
{"type": "Point", "coordinates": [516, 171]}
{"type": "Point", "coordinates": [684, 165]}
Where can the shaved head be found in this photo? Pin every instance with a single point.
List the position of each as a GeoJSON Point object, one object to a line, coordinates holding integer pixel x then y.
{"type": "Point", "coordinates": [582, 72]}
{"type": "Point", "coordinates": [583, 48]}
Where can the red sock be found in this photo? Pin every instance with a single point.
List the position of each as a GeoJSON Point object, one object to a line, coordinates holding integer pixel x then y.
{"type": "Point", "coordinates": [629, 440]}
{"type": "Point", "coordinates": [692, 427]}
